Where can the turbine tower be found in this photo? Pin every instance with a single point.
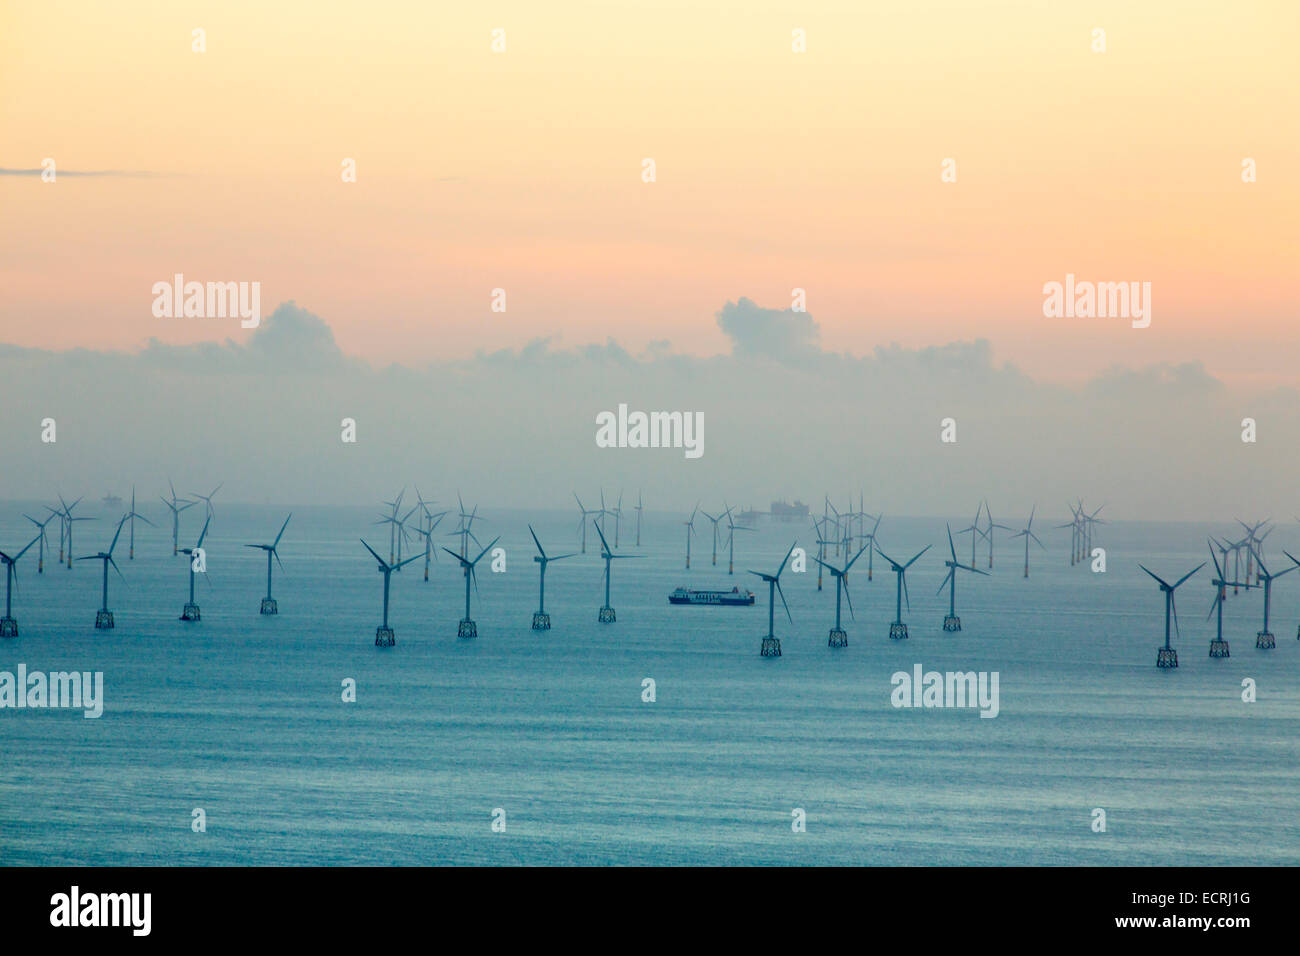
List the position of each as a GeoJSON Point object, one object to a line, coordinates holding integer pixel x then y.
{"type": "Point", "coordinates": [104, 617]}
{"type": "Point", "coordinates": [606, 615]}
{"type": "Point", "coordinates": [429, 522]}
{"type": "Point", "coordinates": [715, 533]}
{"type": "Point", "coordinates": [67, 514]}
{"type": "Point", "coordinates": [132, 515]}
{"type": "Point", "coordinates": [838, 637]}
{"type": "Point", "coordinates": [732, 528]}
{"type": "Point", "coordinates": [191, 610]}
{"type": "Point", "coordinates": [1264, 639]}
{"type": "Point", "coordinates": [617, 512]}
{"type": "Point", "coordinates": [268, 603]}
{"type": "Point", "coordinates": [209, 511]}
{"type": "Point", "coordinates": [638, 519]}
{"type": "Point", "coordinates": [582, 520]}
{"type": "Point", "coordinates": [1218, 646]}
{"type": "Point", "coordinates": [542, 620]}
{"type": "Point", "coordinates": [988, 532]}
{"type": "Point", "coordinates": [897, 629]}
{"type": "Point", "coordinates": [1167, 657]}
{"type": "Point", "coordinates": [384, 636]}
{"type": "Point", "coordinates": [40, 561]}
{"type": "Point", "coordinates": [690, 530]}
{"type": "Point", "coordinates": [9, 626]}
{"type": "Point", "coordinates": [468, 628]}
{"type": "Point", "coordinates": [177, 505]}
{"type": "Point", "coordinates": [1027, 533]}
{"type": "Point", "coordinates": [952, 622]}
{"type": "Point", "coordinates": [772, 644]}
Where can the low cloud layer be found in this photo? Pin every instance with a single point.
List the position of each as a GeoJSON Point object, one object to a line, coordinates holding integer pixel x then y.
{"type": "Point", "coordinates": [783, 417]}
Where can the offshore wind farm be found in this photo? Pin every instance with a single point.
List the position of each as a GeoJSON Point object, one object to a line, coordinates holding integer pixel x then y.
{"type": "Point", "coordinates": [551, 723]}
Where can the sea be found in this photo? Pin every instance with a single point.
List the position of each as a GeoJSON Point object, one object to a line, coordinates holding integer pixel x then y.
{"type": "Point", "coordinates": [662, 738]}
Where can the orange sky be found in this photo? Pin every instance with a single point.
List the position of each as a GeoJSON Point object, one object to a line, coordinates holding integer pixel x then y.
{"type": "Point", "coordinates": [522, 170]}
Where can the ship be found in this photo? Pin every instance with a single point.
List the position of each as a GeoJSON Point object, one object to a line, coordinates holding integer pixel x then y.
{"type": "Point", "coordinates": [784, 511]}
{"type": "Point", "coordinates": [733, 597]}
{"type": "Point", "coordinates": [111, 501]}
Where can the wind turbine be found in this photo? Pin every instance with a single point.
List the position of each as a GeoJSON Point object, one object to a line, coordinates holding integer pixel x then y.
{"type": "Point", "coordinates": [715, 533]}
{"type": "Point", "coordinates": [1075, 526]}
{"type": "Point", "coordinates": [384, 636]}
{"type": "Point", "coordinates": [67, 514]}
{"type": "Point", "coordinates": [1027, 534]}
{"type": "Point", "coordinates": [1254, 538]}
{"type": "Point", "coordinates": [1264, 639]}
{"type": "Point", "coordinates": [871, 540]}
{"type": "Point", "coordinates": [974, 529]}
{"type": "Point", "coordinates": [690, 530]}
{"type": "Point", "coordinates": [177, 505]}
{"type": "Point", "coordinates": [9, 626]}
{"type": "Point", "coordinates": [1167, 657]}
{"type": "Point", "coordinates": [1297, 562]}
{"type": "Point", "coordinates": [606, 615]}
{"type": "Point", "coordinates": [268, 603]}
{"type": "Point", "coordinates": [638, 519]}
{"type": "Point", "coordinates": [542, 620]}
{"type": "Point", "coordinates": [40, 561]}
{"type": "Point", "coordinates": [104, 617]}
{"type": "Point", "coordinates": [618, 516]}
{"type": "Point", "coordinates": [582, 520]}
{"type": "Point", "coordinates": [207, 499]}
{"type": "Point", "coordinates": [197, 555]}
{"type": "Point", "coordinates": [466, 529]}
{"type": "Point", "coordinates": [468, 628]}
{"type": "Point", "coordinates": [818, 526]}
{"type": "Point", "coordinates": [988, 532]}
{"type": "Point", "coordinates": [897, 629]}
{"type": "Point", "coordinates": [772, 644]}
{"type": "Point", "coordinates": [392, 528]}
{"type": "Point", "coordinates": [838, 637]}
{"type": "Point", "coordinates": [433, 519]}
{"type": "Point", "coordinates": [1218, 646]}
{"type": "Point", "coordinates": [952, 622]}
{"type": "Point", "coordinates": [398, 528]}
{"type": "Point", "coordinates": [732, 528]}
{"type": "Point", "coordinates": [132, 515]}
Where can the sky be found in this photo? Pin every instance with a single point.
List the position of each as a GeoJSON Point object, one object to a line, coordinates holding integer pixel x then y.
{"type": "Point", "coordinates": [522, 169]}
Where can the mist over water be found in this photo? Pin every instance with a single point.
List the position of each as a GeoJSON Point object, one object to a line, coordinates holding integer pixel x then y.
{"type": "Point", "coordinates": [241, 715]}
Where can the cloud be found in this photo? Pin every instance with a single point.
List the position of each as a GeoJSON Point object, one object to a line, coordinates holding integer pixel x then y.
{"type": "Point", "coordinates": [786, 336]}
{"type": "Point", "coordinates": [784, 417]}
{"type": "Point", "coordinates": [128, 173]}
{"type": "Point", "coordinates": [290, 339]}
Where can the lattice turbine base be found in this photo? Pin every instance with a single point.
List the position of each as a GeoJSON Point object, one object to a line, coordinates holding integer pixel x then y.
{"type": "Point", "coordinates": [104, 620]}
{"type": "Point", "coordinates": [951, 623]}
{"type": "Point", "coordinates": [1166, 657]}
{"type": "Point", "coordinates": [8, 627]}
{"type": "Point", "coordinates": [467, 629]}
{"type": "Point", "coordinates": [384, 637]}
{"type": "Point", "coordinates": [1219, 649]}
{"type": "Point", "coordinates": [898, 631]}
{"type": "Point", "coordinates": [269, 606]}
{"type": "Point", "coordinates": [1264, 640]}
{"type": "Point", "coordinates": [837, 638]}
{"type": "Point", "coordinates": [541, 622]}
{"type": "Point", "coordinates": [606, 615]}
{"type": "Point", "coordinates": [771, 647]}
{"type": "Point", "coordinates": [190, 612]}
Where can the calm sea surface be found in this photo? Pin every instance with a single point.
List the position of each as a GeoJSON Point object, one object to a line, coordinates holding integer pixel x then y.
{"type": "Point", "coordinates": [242, 715]}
